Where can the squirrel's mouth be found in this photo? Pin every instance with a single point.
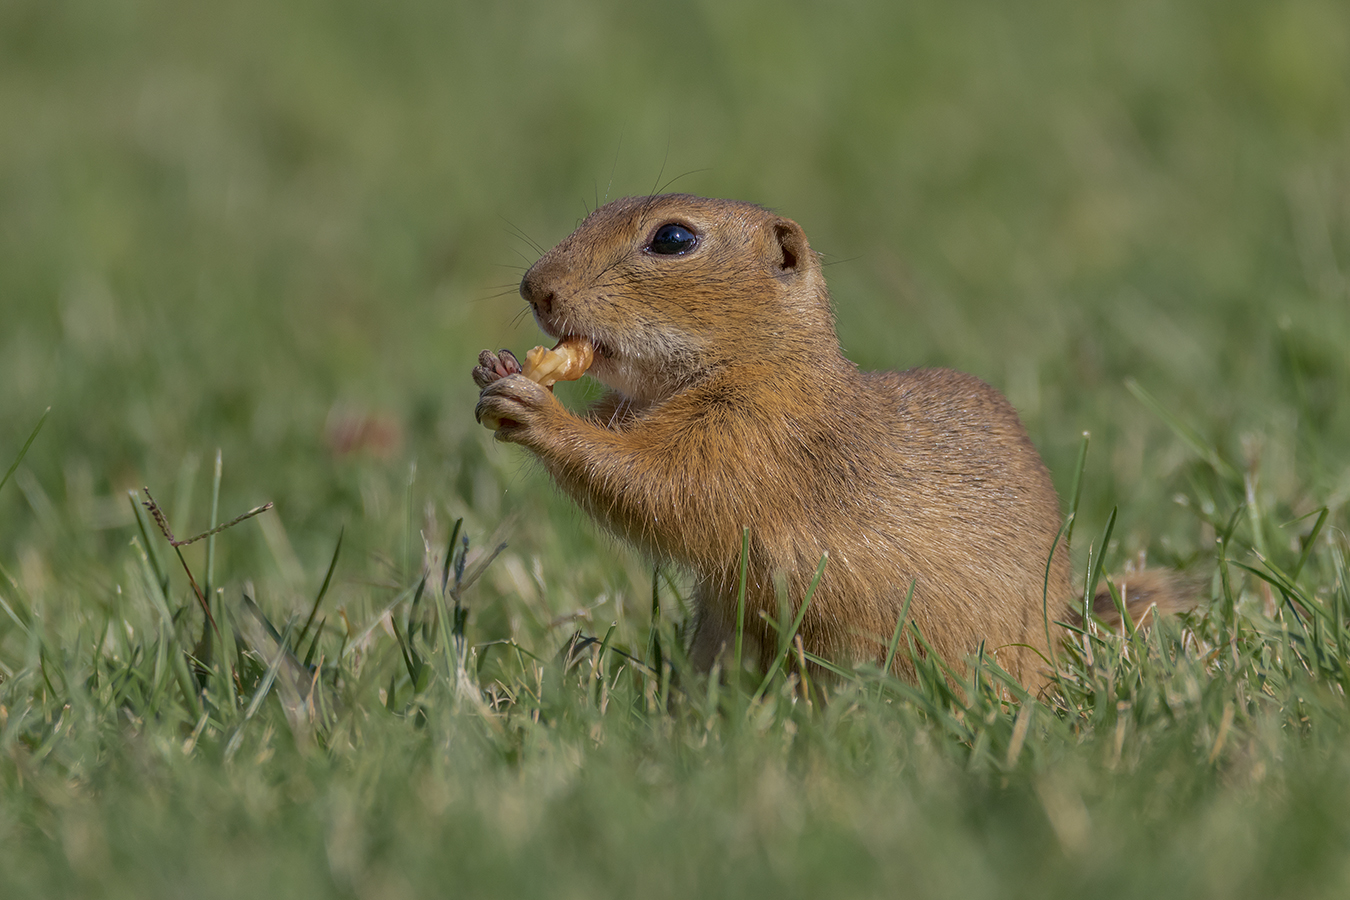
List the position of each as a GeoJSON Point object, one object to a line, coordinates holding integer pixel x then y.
{"type": "Point", "coordinates": [558, 320]}
{"type": "Point", "coordinates": [559, 332]}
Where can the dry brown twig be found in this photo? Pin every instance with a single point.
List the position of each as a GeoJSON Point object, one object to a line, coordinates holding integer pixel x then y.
{"type": "Point", "coordinates": [162, 521]}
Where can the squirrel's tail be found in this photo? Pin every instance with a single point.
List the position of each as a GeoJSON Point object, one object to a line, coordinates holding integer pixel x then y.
{"type": "Point", "coordinates": [1147, 593]}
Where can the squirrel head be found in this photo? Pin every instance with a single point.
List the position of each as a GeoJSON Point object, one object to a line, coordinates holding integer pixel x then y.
{"type": "Point", "coordinates": [672, 287]}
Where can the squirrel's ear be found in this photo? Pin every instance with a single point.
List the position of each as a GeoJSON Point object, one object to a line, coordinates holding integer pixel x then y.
{"type": "Point", "coordinates": [791, 251]}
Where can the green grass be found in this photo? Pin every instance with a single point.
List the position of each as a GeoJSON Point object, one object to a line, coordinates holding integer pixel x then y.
{"type": "Point", "coordinates": [282, 232]}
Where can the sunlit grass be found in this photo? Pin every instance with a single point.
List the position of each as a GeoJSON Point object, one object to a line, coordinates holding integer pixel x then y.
{"type": "Point", "coordinates": [400, 746]}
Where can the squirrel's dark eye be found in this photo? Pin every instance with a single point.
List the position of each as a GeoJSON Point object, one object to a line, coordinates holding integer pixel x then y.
{"type": "Point", "coordinates": [672, 240]}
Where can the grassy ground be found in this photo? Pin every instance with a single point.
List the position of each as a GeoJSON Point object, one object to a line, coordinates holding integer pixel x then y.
{"type": "Point", "coordinates": [282, 231]}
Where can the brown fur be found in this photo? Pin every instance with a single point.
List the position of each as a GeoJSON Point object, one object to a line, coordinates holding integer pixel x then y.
{"type": "Point", "coordinates": [732, 406]}
{"type": "Point", "coordinates": [1146, 592]}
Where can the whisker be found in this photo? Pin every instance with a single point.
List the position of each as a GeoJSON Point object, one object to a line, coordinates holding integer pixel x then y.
{"type": "Point", "coordinates": [666, 187]}
{"type": "Point", "coordinates": [516, 319]}
{"type": "Point", "coordinates": [660, 173]}
{"type": "Point", "coordinates": [613, 168]}
{"type": "Point", "coordinates": [516, 231]}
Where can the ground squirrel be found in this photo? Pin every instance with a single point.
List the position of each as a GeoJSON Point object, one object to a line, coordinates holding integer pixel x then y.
{"type": "Point", "coordinates": [732, 406]}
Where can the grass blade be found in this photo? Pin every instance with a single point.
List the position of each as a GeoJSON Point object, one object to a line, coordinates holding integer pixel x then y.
{"type": "Point", "coordinates": [785, 640]}
{"type": "Point", "coordinates": [26, 444]}
{"type": "Point", "coordinates": [210, 581]}
{"type": "Point", "coordinates": [148, 547]}
{"type": "Point", "coordinates": [740, 597]}
{"type": "Point", "coordinates": [1188, 435]}
{"type": "Point", "coordinates": [1045, 591]}
{"type": "Point", "coordinates": [450, 553]}
{"type": "Point", "coordinates": [260, 694]}
{"type": "Point", "coordinates": [1094, 572]}
{"type": "Point", "coordinates": [327, 580]}
{"type": "Point", "coordinates": [1077, 491]}
{"type": "Point", "coordinates": [1308, 544]}
{"type": "Point", "coordinates": [899, 628]}
{"type": "Point", "coordinates": [654, 636]}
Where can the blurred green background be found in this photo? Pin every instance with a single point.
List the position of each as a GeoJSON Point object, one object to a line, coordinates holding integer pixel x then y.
{"type": "Point", "coordinates": [285, 229]}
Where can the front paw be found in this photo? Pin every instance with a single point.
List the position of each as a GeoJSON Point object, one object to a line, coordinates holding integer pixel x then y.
{"type": "Point", "coordinates": [493, 367]}
{"type": "Point", "coordinates": [512, 405]}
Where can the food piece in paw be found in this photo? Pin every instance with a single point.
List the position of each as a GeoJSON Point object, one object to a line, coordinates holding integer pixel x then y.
{"type": "Point", "coordinates": [566, 362]}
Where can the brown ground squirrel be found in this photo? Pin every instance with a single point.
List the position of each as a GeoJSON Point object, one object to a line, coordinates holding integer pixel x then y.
{"type": "Point", "coordinates": [731, 405]}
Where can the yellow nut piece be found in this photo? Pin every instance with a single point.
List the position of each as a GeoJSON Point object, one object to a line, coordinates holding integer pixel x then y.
{"type": "Point", "coordinates": [566, 362]}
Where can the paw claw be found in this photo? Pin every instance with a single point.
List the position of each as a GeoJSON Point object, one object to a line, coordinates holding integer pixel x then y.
{"type": "Point", "coordinates": [493, 367]}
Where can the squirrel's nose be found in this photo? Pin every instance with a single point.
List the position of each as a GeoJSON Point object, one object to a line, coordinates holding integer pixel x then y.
{"type": "Point", "coordinates": [537, 294]}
